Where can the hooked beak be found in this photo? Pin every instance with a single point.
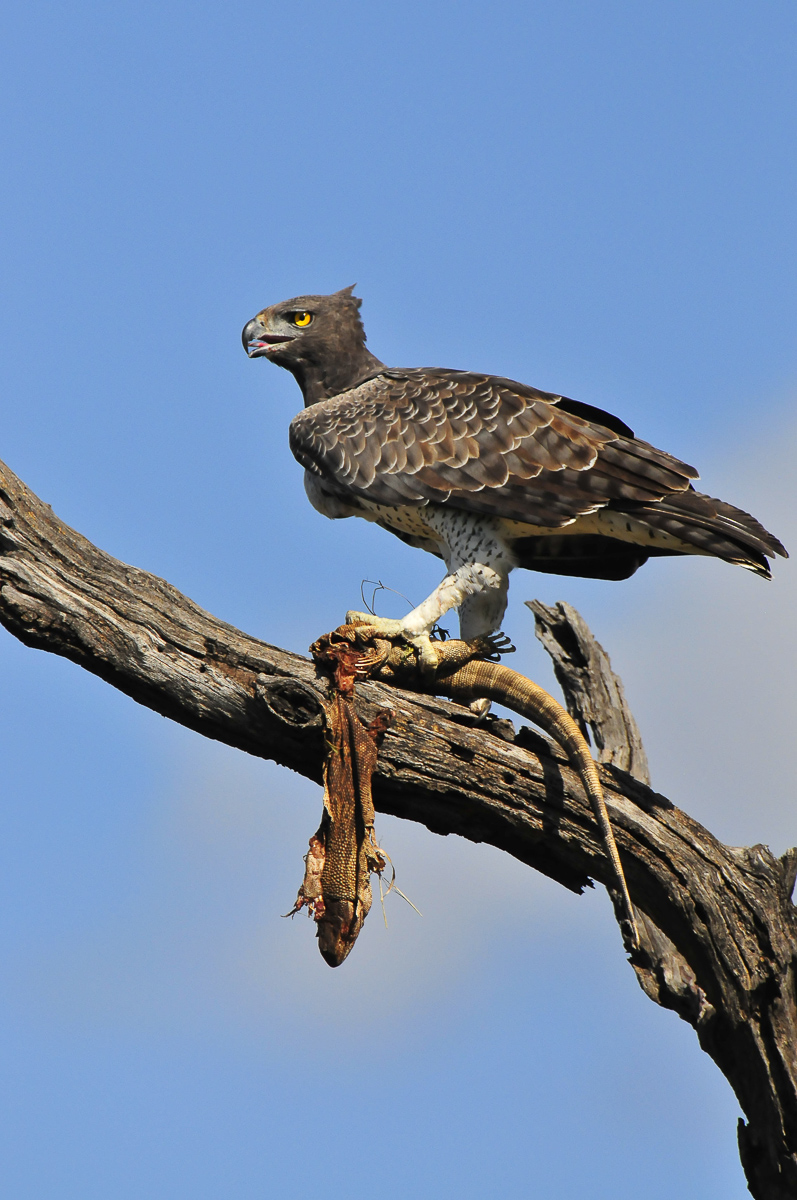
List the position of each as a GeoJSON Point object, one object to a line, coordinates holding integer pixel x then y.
{"type": "Point", "coordinates": [257, 342]}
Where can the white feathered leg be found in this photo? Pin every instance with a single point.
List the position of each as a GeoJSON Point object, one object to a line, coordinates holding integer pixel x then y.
{"type": "Point", "coordinates": [468, 583]}
{"type": "Point", "coordinates": [479, 564]}
{"type": "Point", "coordinates": [472, 584]}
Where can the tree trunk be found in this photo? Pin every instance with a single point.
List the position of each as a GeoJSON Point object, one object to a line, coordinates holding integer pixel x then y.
{"type": "Point", "coordinates": [720, 933]}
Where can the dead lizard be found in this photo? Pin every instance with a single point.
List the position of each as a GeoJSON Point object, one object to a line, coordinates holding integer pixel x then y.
{"type": "Point", "coordinates": [469, 670]}
{"type": "Point", "coordinates": [344, 851]}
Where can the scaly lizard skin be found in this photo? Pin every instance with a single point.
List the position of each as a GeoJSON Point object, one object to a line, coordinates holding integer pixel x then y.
{"type": "Point", "coordinates": [467, 671]}
{"type": "Point", "coordinates": [343, 852]}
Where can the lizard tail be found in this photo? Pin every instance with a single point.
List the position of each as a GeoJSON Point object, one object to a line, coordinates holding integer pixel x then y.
{"type": "Point", "coordinates": [497, 682]}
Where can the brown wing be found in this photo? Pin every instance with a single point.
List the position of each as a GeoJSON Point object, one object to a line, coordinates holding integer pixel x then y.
{"type": "Point", "coordinates": [481, 443]}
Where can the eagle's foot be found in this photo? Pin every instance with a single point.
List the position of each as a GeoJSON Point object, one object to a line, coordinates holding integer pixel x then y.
{"type": "Point", "coordinates": [394, 631]}
{"type": "Point", "coordinates": [393, 650]}
{"type": "Point", "coordinates": [387, 626]}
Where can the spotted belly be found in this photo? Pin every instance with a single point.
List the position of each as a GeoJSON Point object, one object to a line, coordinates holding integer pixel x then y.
{"type": "Point", "coordinates": [595, 535]}
{"type": "Point", "coordinates": [416, 524]}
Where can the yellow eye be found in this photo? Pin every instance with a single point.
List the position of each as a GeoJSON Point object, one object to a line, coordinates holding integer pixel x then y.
{"type": "Point", "coordinates": [301, 318]}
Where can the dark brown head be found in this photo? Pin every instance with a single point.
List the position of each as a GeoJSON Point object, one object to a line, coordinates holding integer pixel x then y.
{"type": "Point", "coordinates": [320, 339]}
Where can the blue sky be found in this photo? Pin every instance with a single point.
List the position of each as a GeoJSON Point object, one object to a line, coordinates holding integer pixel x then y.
{"type": "Point", "coordinates": [594, 198]}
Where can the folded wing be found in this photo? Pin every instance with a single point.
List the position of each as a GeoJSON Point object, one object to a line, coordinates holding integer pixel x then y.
{"type": "Point", "coordinates": [493, 446]}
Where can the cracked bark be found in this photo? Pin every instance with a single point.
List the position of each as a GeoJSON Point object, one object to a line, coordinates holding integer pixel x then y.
{"type": "Point", "coordinates": [720, 929]}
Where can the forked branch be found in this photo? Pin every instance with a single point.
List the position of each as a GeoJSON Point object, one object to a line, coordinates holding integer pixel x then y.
{"type": "Point", "coordinates": [721, 932]}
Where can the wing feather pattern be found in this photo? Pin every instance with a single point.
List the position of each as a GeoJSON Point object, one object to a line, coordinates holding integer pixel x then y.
{"type": "Point", "coordinates": [493, 446]}
{"type": "Point", "coordinates": [488, 444]}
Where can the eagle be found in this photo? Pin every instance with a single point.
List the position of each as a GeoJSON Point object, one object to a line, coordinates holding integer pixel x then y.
{"type": "Point", "coordinates": [486, 473]}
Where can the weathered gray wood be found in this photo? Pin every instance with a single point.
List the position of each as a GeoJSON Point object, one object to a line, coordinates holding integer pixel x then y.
{"type": "Point", "coordinates": [594, 695]}
{"type": "Point", "coordinates": [728, 911]}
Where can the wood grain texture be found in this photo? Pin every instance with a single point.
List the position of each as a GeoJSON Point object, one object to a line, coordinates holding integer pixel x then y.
{"type": "Point", "coordinates": [727, 910]}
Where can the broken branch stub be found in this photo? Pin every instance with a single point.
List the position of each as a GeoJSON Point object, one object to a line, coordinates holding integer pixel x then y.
{"type": "Point", "coordinates": [594, 695]}
{"type": "Point", "coordinates": [753, 1043]}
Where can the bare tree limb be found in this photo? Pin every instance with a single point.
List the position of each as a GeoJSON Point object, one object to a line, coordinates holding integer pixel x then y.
{"type": "Point", "coordinates": [727, 910]}
{"type": "Point", "coordinates": [595, 697]}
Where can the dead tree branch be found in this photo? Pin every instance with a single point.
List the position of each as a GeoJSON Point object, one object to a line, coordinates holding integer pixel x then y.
{"type": "Point", "coordinates": [726, 912]}
{"type": "Point", "coordinates": [595, 697]}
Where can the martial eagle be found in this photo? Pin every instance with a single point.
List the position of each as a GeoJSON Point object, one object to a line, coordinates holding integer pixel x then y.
{"type": "Point", "coordinates": [486, 473]}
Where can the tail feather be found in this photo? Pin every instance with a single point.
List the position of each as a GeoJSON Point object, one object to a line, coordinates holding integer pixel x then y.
{"type": "Point", "coordinates": [714, 527]}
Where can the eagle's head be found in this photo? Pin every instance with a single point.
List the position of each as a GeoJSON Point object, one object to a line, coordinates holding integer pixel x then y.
{"type": "Point", "coordinates": [319, 339]}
